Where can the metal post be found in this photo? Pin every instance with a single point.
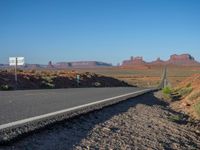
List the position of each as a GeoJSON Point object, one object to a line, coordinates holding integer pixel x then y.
{"type": "Point", "coordinates": [78, 80]}
{"type": "Point", "coordinates": [165, 83]}
{"type": "Point", "coordinates": [16, 73]}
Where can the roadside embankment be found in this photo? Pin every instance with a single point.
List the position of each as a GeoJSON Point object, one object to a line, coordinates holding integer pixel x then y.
{"type": "Point", "coordinates": [185, 96]}
{"type": "Point", "coordinates": [47, 79]}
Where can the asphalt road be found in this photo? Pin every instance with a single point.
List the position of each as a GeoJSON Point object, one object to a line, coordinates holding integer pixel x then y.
{"type": "Point", "coordinates": [18, 105]}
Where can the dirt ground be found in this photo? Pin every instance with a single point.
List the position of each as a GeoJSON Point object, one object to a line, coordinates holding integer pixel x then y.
{"type": "Point", "coordinates": [147, 77]}
{"type": "Point", "coordinates": [139, 123]}
{"type": "Point", "coordinates": [189, 96]}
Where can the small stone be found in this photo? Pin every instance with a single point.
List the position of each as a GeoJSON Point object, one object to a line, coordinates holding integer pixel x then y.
{"type": "Point", "coordinates": [185, 104]}
{"type": "Point", "coordinates": [197, 131]}
{"type": "Point", "coordinates": [106, 129]}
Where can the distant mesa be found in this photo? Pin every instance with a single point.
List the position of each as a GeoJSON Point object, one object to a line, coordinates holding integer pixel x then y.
{"type": "Point", "coordinates": [82, 64]}
{"type": "Point", "coordinates": [158, 61]}
{"type": "Point", "coordinates": [32, 66]}
{"type": "Point", "coordinates": [179, 60]}
{"type": "Point", "coordinates": [4, 65]}
{"type": "Point", "coordinates": [134, 61]}
{"type": "Point", "coordinates": [184, 59]}
{"type": "Point", "coordinates": [50, 65]}
{"type": "Point", "coordinates": [63, 65]}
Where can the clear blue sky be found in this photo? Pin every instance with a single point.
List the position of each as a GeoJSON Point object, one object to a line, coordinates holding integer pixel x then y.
{"type": "Point", "coordinates": [103, 30]}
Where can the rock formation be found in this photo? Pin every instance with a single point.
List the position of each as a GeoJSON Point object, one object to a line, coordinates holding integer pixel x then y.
{"type": "Point", "coordinates": [158, 61]}
{"type": "Point", "coordinates": [134, 61]}
{"type": "Point", "coordinates": [50, 65]}
{"type": "Point", "coordinates": [81, 64]}
{"type": "Point", "coordinates": [184, 59]}
{"type": "Point", "coordinates": [180, 60]}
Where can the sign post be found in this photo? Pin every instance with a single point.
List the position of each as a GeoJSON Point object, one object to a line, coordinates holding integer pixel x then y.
{"type": "Point", "coordinates": [16, 70]}
{"type": "Point", "coordinates": [16, 61]}
{"type": "Point", "coordinates": [78, 79]}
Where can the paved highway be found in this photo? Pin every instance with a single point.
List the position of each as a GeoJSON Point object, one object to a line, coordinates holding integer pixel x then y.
{"type": "Point", "coordinates": [19, 105]}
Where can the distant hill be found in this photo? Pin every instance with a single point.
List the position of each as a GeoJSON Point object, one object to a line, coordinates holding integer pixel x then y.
{"type": "Point", "coordinates": [82, 64]}
{"type": "Point", "coordinates": [4, 65]}
{"type": "Point", "coordinates": [179, 60]}
{"type": "Point", "coordinates": [63, 65]}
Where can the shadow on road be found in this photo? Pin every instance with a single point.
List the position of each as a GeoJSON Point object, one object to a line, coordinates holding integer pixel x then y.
{"type": "Point", "coordinates": [70, 132]}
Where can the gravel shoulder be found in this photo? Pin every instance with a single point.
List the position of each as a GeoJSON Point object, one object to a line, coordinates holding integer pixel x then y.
{"type": "Point", "coordinates": [139, 123]}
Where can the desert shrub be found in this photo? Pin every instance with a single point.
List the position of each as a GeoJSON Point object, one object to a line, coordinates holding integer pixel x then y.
{"type": "Point", "coordinates": [166, 90]}
{"type": "Point", "coordinates": [5, 87]}
{"type": "Point", "coordinates": [20, 70]}
{"type": "Point", "coordinates": [185, 91]}
{"type": "Point", "coordinates": [188, 85]}
{"type": "Point", "coordinates": [97, 84]}
{"type": "Point", "coordinates": [176, 118]}
{"type": "Point", "coordinates": [194, 95]}
{"type": "Point", "coordinates": [32, 71]}
{"type": "Point", "coordinates": [197, 108]}
{"type": "Point", "coordinates": [48, 85]}
{"type": "Point", "coordinates": [27, 77]}
{"type": "Point", "coordinates": [48, 79]}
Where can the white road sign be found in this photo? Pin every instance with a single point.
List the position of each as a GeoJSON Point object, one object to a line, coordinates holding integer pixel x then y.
{"type": "Point", "coordinates": [19, 61]}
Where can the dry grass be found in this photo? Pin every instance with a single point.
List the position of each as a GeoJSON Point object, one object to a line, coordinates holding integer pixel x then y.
{"type": "Point", "coordinates": [197, 107]}
{"type": "Point", "coordinates": [194, 96]}
{"type": "Point", "coordinates": [185, 91]}
{"type": "Point", "coordinates": [141, 77]}
{"type": "Point", "coordinates": [146, 77]}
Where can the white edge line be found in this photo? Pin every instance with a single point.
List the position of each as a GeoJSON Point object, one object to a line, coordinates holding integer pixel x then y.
{"type": "Point", "coordinates": [31, 119]}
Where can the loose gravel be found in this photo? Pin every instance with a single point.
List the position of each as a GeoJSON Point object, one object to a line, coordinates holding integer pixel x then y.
{"type": "Point", "coordinates": [139, 123]}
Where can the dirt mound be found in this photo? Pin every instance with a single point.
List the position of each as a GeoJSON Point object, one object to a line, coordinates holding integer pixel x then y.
{"type": "Point", "coordinates": [56, 79]}
{"type": "Point", "coordinates": [189, 89]}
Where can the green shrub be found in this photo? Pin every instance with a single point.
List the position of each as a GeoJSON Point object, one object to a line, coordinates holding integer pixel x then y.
{"type": "Point", "coordinates": [166, 90]}
{"type": "Point", "coordinates": [176, 118]}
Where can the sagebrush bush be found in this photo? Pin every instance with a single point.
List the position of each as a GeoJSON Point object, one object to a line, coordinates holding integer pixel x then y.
{"type": "Point", "coordinates": [176, 118]}
{"type": "Point", "coordinates": [188, 85]}
{"type": "Point", "coordinates": [185, 91]}
{"type": "Point", "coordinates": [166, 90]}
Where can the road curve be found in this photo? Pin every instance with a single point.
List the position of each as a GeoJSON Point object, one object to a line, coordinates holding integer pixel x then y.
{"type": "Point", "coordinates": [19, 105]}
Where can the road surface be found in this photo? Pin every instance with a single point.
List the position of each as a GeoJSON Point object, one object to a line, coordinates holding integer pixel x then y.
{"type": "Point", "coordinates": [19, 105]}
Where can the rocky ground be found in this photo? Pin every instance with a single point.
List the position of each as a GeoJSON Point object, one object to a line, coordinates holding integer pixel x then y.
{"type": "Point", "coordinates": [144, 122]}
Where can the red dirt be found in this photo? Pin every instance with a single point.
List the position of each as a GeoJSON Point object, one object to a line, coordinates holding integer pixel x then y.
{"type": "Point", "coordinates": [188, 101]}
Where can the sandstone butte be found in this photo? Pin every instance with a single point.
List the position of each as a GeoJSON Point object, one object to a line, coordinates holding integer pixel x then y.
{"type": "Point", "coordinates": [179, 60]}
